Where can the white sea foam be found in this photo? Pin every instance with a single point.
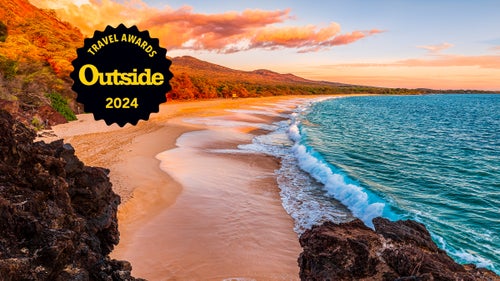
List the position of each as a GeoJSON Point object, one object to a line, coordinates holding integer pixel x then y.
{"type": "Point", "coordinates": [302, 199]}
{"type": "Point", "coordinates": [309, 188]}
{"type": "Point", "coordinates": [271, 113]}
{"type": "Point", "coordinates": [231, 151]}
{"type": "Point", "coordinates": [218, 122]}
{"type": "Point", "coordinates": [463, 256]}
{"type": "Point", "coordinates": [351, 195]}
{"type": "Point", "coordinates": [311, 193]}
{"type": "Point", "coordinates": [202, 138]}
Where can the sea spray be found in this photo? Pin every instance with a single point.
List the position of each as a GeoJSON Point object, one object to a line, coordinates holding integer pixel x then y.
{"type": "Point", "coordinates": [351, 195]}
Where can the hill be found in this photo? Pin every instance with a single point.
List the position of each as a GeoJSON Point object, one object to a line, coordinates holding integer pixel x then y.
{"type": "Point", "coordinates": [194, 78]}
{"type": "Point", "coordinates": [36, 50]}
{"type": "Point", "coordinates": [196, 67]}
{"type": "Point", "coordinates": [197, 79]}
{"type": "Point", "coordinates": [38, 35]}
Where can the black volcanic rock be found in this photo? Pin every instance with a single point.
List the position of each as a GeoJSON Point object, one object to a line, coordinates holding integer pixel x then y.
{"type": "Point", "coordinates": [401, 250]}
{"type": "Point", "coordinates": [57, 216]}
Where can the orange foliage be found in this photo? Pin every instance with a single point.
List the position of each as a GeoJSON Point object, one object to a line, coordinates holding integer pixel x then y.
{"type": "Point", "coordinates": [37, 35]}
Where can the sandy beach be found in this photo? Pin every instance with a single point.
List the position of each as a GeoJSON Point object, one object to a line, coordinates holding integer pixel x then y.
{"type": "Point", "coordinates": [193, 207]}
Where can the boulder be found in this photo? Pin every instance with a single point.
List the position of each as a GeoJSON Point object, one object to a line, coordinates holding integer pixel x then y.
{"type": "Point", "coordinates": [57, 216]}
{"type": "Point", "coordinates": [401, 250]}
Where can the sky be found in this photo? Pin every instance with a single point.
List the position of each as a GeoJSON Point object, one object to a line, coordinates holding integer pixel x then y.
{"type": "Point", "coordinates": [437, 44]}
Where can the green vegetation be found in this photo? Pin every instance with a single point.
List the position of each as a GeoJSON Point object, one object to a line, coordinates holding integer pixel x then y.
{"type": "Point", "coordinates": [37, 124]}
{"type": "Point", "coordinates": [30, 80]}
{"type": "Point", "coordinates": [60, 104]}
{"type": "Point", "coordinates": [8, 67]}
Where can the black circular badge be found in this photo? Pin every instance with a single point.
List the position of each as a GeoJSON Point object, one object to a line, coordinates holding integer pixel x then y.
{"type": "Point", "coordinates": [121, 75]}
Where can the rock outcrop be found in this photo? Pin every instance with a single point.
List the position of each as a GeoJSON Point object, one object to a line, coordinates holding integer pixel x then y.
{"type": "Point", "coordinates": [401, 250]}
{"type": "Point", "coordinates": [57, 216]}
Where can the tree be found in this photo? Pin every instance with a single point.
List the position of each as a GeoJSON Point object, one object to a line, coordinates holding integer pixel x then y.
{"type": "Point", "coordinates": [240, 91]}
{"type": "Point", "coordinates": [182, 87]}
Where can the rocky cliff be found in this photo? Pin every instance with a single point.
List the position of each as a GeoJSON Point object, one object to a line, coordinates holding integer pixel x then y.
{"type": "Point", "coordinates": [401, 250]}
{"type": "Point", "coordinates": [57, 216]}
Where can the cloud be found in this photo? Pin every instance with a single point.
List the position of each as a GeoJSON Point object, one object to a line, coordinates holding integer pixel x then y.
{"type": "Point", "coordinates": [294, 37]}
{"type": "Point", "coordinates": [307, 38]}
{"type": "Point", "coordinates": [436, 48]}
{"type": "Point", "coordinates": [214, 32]}
{"type": "Point", "coordinates": [96, 14]}
{"type": "Point", "coordinates": [486, 61]}
{"type": "Point", "coordinates": [183, 28]}
{"type": "Point", "coordinates": [351, 37]}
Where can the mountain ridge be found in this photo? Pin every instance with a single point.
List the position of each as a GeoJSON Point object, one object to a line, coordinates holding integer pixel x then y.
{"type": "Point", "coordinates": [198, 79]}
{"type": "Point", "coordinates": [192, 62]}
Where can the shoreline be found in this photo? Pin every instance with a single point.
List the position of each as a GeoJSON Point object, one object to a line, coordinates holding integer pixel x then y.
{"type": "Point", "coordinates": [137, 216]}
{"type": "Point", "coordinates": [148, 192]}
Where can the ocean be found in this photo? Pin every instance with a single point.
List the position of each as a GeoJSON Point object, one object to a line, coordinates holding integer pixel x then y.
{"type": "Point", "coordinates": [431, 158]}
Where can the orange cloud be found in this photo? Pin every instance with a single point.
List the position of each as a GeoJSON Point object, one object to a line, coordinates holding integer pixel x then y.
{"type": "Point", "coordinates": [436, 48]}
{"type": "Point", "coordinates": [94, 15]}
{"type": "Point", "coordinates": [303, 36]}
{"type": "Point", "coordinates": [487, 61]}
{"type": "Point", "coordinates": [351, 37]}
{"type": "Point", "coordinates": [185, 29]}
{"type": "Point", "coordinates": [307, 38]}
{"type": "Point", "coordinates": [216, 32]}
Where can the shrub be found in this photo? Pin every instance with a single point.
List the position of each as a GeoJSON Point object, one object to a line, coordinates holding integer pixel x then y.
{"type": "Point", "coordinates": [8, 67]}
{"type": "Point", "coordinates": [60, 104]}
{"type": "Point", "coordinates": [3, 32]}
{"type": "Point", "coordinates": [37, 124]}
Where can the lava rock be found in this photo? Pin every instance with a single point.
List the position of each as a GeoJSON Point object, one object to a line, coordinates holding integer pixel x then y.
{"type": "Point", "coordinates": [401, 250]}
{"type": "Point", "coordinates": [57, 216]}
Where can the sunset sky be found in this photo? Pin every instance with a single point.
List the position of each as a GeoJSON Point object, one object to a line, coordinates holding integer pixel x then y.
{"type": "Point", "coordinates": [433, 44]}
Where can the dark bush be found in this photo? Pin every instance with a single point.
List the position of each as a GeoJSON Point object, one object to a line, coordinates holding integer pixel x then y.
{"type": "Point", "coordinates": [60, 104]}
{"type": "Point", "coordinates": [8, 67]}
{"type": "Point", "coordinates": [3, 32]}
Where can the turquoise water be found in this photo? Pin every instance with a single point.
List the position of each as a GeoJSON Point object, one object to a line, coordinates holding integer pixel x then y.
{"type": "Point", "coordinates": [432, 158]}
